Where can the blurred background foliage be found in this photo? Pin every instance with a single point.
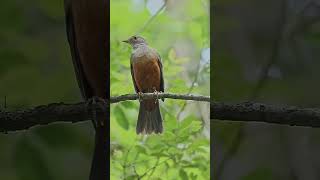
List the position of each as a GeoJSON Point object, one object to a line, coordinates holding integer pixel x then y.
{"type": "Point", "coordinates": [36, 69]}
{"type": "Point", "coordinates": [265, 51]}
{"type": "Point", "coordinates": [180, 33]}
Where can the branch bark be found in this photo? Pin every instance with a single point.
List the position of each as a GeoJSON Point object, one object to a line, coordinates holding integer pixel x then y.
{"type": "Point", "coordinates": [126, 97]}
{"type": "Point", "coordinates": [78, 112]}
{"type": "Point", "coordinates": [258, 112]}
{"type": "Point", "coordinates": [61, 112]}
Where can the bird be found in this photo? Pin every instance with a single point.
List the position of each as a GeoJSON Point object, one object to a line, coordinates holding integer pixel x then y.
{"type": "Point", "coordinates": [87, 34]}
{"type": "Point", "coordinates": [147, 77]}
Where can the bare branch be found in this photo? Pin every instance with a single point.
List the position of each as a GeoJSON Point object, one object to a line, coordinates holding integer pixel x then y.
{"type": "Point", "coordinates": [257, 112]}
{"type": "Point", "coordinates": [159, 96]}
{"type": "Point", "coordinates": [61, 112]}
{"type": "Point", "coordinates": [43, 115]}
{"type": "Point", "coordinates": [246, 112]}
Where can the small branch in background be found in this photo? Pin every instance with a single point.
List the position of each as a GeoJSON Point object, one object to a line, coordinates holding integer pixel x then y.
{"type": "Point", "coordinates": [230, 153]}
{"type": "Point", "coordinates": [152, 18]}
{"type": "Point", "coordinates": [190, 89]}
{"type": "Point", "coordinates": [257, 90]}
{"type": "Point", "coordinates": [154, 167]}
{"type": "Point", "coordinates": [274, 53]}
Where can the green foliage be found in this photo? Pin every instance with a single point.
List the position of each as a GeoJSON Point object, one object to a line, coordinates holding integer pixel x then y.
{"type": "Point", "coordinates": [35, 69]}
{"type": "Point", "coordinates": [182, 151]}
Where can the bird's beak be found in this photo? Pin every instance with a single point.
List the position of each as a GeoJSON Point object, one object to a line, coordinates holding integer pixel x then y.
{"type": "Point", "coordinates": [126, 41]}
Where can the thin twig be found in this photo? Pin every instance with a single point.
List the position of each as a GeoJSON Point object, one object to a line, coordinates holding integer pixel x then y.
{"type": "Point", "coordinates": [155, 166]}
{"type": "Point", "coordinates": [152, 18]}
{"type": "Point", "coordinates": [190, 89]}
{"type": "Point", "coordinates": [154, 169]}
{"type": "Point", "coordinates": [124, 166]}
{"type": "Point", "coordinates": [274, 54]}
{"type": "Point", "coordinates": [257, 90]}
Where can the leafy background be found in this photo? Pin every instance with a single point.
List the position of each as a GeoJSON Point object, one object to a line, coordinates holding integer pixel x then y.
{"type": "Point", "coordinates": [180, 33]}
{"type": "Point", "coordinates": [36, 69]}
{"type": "Point", "coordinates": [249, 35]}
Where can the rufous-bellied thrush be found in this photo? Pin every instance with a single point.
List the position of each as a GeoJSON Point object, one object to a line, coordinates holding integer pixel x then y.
{"type": "Point", "coordinates": [87, 31]}
{"type": "Point", "coordinates": [147, 77]}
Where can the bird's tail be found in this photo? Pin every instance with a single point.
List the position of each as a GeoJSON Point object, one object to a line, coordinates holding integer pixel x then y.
{"type": "Point", "coordinates": [100, 157]}
{"type": "Point", "coordinates": [149, 118]}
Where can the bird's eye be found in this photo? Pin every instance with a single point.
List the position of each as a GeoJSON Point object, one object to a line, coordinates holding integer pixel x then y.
{"type": "Point", "coordinates": [135, 37]}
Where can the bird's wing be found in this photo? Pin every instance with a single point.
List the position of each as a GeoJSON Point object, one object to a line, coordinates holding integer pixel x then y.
{"type": "Point", "coordinates": [161, 73]}
{"type": "Point", "coordinates": [86, 90]}
{"type": "Point", "coordinates": [132, 75]}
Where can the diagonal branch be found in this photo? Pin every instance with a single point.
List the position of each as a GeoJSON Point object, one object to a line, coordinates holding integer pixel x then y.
{"type": "Point", "coordinates": [152, 18]}
{"type": "Point", "coordinates": [278, 38]}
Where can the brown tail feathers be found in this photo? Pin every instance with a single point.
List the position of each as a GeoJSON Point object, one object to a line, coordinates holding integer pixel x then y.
{"type": "Point", "coordinates": [100, 156]}
{"type": "Point", "coordinates": [149, 118]}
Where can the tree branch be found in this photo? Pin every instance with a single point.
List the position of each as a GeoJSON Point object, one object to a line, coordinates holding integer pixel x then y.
{"type": "Point", "coordinates": [246, 112]}
{"type": "Point", "coordinates": [257, 112]}
{"type": "Point", "coordinates": [126, 97]}
{"type": "Point", "coordinates": [61, 112]}
{"type": "Point", "coordinates": [43, 115]}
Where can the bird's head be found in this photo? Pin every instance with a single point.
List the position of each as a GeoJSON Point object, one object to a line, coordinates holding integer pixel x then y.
{"type": "Point", "coordinates": [135, 40]}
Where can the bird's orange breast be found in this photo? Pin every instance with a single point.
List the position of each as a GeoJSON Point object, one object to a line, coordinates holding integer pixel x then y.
{"type": "Point", "coordinates": [147, 74]}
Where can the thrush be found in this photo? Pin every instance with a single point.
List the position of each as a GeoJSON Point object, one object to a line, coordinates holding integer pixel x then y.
{"type": "Point", "coordinates": [87, 28]}
{"type": "Point", "coordinates": [147, 77]}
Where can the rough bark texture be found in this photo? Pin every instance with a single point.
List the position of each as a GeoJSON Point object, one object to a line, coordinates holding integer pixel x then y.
{"type": "Point", "coordinates": [249, 111]}
{"type": "Point", "coordinates": [246, 112]}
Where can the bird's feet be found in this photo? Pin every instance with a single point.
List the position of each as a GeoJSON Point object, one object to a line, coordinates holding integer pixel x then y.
{"type": "Point", "coordinates": [140, 96]}
{"type": "Point", "coordinates": [93, 104]}
{"type": "Point", "coordinates": [157, 95]}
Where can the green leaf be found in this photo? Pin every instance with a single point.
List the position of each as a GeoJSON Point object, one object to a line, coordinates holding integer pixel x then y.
{"type": "Point", "coordinates": [170, 122]}
{"type": "Point", "coordinates": [121, 117]}
{"type": "Point", "coordinates": [169, 137]}
{"type": "Point", "coordinates": [186, 122]}
{"type": "Point", "coordinates": [196, 126]}
{"type": "Point", "coordinates": [193, 176]}
{"type": "Point", "coordinates": [199, 143]}
{"type": "Point", "coordinates": [141, 149]}
{"type": "Point", "coordinates": [183, 174]}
